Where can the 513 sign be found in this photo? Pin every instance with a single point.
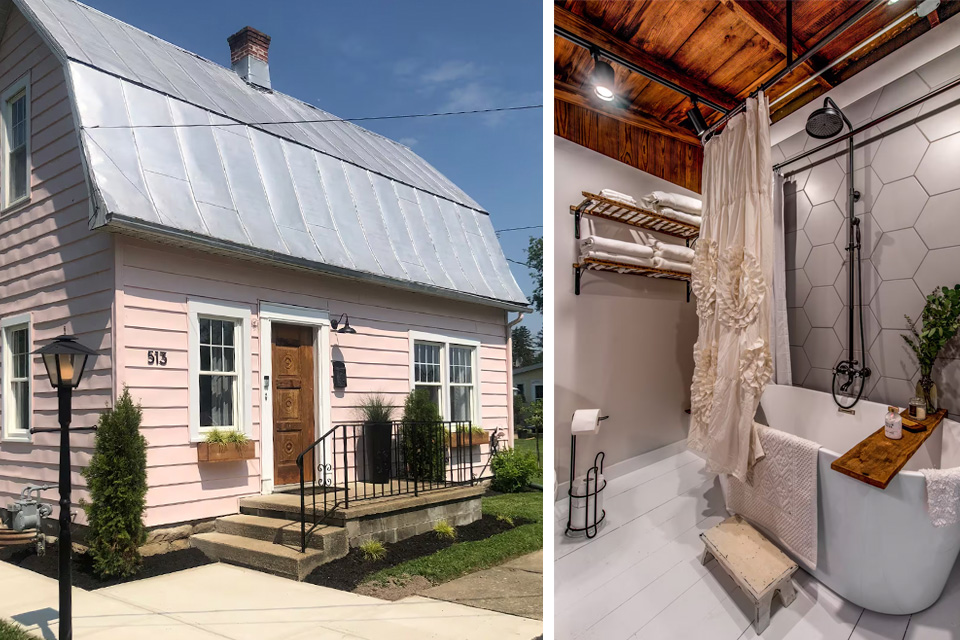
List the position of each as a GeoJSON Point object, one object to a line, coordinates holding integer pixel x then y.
{"type": "Point", "coordinates": [157, 358]}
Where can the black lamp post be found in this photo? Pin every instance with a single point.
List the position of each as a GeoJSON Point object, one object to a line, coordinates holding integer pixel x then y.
{"type": "Point", "coordinates": [65, 360]}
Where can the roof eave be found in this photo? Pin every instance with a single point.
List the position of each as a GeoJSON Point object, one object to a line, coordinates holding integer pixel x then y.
{"type": "Point", "coordinates": [140, 228]}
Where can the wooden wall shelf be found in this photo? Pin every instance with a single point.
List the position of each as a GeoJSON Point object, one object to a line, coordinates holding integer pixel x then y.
{"type": "Point", "coordinates": [592, 264]}
{"type": "Point", "coordinates": [877, 458]}
{"type": "Point", "coordinates": [600, 207]}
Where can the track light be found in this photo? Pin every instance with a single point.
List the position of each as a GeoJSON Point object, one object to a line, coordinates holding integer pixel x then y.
{"type": "Point", "coordinates": [696, 119]}
{"type": "Point", "coordinates": [603, 79]}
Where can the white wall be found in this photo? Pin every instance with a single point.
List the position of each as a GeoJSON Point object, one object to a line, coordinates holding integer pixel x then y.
{"type": "Point", "coordinates": [626, 343]}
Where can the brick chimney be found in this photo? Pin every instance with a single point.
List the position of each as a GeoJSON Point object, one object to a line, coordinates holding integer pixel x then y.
{"type": "Point", "coordinates": [249, 56]}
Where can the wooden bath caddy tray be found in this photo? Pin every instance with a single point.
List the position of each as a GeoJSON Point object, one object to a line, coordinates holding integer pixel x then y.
{"type": "Point", "coordinates": [877, 459]}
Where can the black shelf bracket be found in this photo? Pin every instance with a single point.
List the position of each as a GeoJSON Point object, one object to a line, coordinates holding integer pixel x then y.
{"type": "Point", "coordinates": [577, 216]}
{"type": "Point", "coordinates": [578, 271]}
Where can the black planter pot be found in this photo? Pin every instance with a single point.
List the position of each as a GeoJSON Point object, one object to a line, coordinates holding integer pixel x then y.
{"type": "Point", "coordinates": [377, 437]}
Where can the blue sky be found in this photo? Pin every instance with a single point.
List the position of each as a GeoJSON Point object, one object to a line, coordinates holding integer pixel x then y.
{"type": "Point", "coordinates": [369, 58]}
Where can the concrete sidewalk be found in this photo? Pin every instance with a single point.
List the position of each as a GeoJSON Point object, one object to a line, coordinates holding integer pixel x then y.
{"type": "Point", "coordinates": [515, 588]}
{"type": "Point", "coordinates": [223, 601]}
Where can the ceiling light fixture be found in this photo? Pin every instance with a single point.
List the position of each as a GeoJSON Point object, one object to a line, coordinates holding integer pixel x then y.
{"type": "Point", "coordinates": [696, 119]}
{"type": "Point", "coordinates": [603, 78]}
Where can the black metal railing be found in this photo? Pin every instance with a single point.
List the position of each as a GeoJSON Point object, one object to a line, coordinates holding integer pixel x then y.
{"type": "Point", "coordinates": [363, 461]}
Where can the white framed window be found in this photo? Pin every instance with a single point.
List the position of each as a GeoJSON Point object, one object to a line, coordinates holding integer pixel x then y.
{"type": "Point", "coordinates": [17, 389]}
{"type": "Point", "coordinates": [538, 391]}
{"type": "Point", "coordinates": [15, 163]}
{"type": "Point", "coordinates": [220, 368]}
{"type": "Point", "coordinates": [447, 367]}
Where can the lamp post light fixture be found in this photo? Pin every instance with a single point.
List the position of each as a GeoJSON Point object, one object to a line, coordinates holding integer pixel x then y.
{"type": "Point", "coordinates": [65, 360]}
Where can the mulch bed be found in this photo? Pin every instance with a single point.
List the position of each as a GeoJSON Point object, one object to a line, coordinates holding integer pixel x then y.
{"type": "Point", "coordinates": [83, 576]}
{"type": "Point", "coordinates": [348, 572]}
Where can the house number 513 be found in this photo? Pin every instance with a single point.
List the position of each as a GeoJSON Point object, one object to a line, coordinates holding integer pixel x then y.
{"type": "Point", "coordinates": [157, 358]}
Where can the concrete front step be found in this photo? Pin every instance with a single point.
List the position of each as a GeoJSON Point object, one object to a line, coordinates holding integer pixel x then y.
{"type": "Point", "coordinates": [283, 532]}
{"type": "Point", "coordinates": [264, 556]}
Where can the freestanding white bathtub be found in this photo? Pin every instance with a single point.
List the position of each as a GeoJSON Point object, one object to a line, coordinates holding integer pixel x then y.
{"type": "Point", "coordinates": [877, 548]}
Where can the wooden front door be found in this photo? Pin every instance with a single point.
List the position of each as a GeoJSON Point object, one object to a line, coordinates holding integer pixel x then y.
{"type": "Point", "coordinates": [293, 402]}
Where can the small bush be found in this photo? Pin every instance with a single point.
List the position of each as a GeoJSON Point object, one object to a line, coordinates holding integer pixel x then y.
{"type": "Point", "coordinates": [373, 550]}
{"type": "Point", "coordinates": [423, 438]}
{"type": "Point", "coordinates": [13, 631]}
{"type": "Point", "coordinates": [375, 409]}
{"type": "Point", "coordinates": [463, 436]}
{"type": "Point", "coordinates": [513, 470]}
{"type": "Point", "coordinates": [445, 530]}
{"type": "Point", "coordinates": [117, 480]}
{"type": "Point", "coordinates": [505, 519]}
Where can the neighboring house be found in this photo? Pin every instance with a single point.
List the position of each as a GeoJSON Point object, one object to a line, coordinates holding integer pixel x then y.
{"type": "Point", "coordinates": [528, 382]}
{"type": "Point", "coordinates": [207, 256]}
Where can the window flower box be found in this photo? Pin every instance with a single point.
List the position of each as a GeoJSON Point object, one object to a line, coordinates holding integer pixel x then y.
{"type": "Point", "coordinates": [213, 452]}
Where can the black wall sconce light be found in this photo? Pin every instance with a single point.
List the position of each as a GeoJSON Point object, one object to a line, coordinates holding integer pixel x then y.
{"type": "Point", "coordinates": [346, 328]}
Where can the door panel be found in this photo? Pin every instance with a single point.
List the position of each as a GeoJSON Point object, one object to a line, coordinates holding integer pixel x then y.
{"type": "Point", "coordinates": [293, 401]}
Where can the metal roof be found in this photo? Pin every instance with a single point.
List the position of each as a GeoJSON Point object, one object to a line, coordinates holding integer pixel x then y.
{"type": "Point", "coordinates": [328, 196]}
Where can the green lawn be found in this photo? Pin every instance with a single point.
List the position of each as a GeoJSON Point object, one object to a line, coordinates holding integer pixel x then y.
{"type": "Point", "coordinates": [11, 631]}
{"type": "Point", "coordinates": [467, 557]}
{"type": "Point", "coordinates": [530, 444]}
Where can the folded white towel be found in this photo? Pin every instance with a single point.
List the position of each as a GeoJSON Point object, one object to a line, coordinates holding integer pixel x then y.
{"type": "Point", "coordinates": [599, 243]}
{"type": "Point", "coordinates": [676, 252]}
{"type": "Point", "coordinates": [645, 238]}
{"type": "Point", "coordinates": [671, 265]}
{"type": "Point", "coordinates": [943, 495]}
{"type": "Point", "coordinates": [680, 216]}
{"type": "Point", "coordinates": [614, 257]}
{"type": "Point", "coordinates": [616, 195]}
{"type": "Point", "coordinates": [674, 201]}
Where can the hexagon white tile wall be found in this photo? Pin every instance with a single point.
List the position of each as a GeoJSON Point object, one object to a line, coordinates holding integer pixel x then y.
{"type": "Point", "coordinates": [938, 171]}
{"type": "Point", "coordinates": [893, 357]}
{"type": "Point", "coordinates": [819, 379]}
{"type": "Point", "coordinates": [822, 347]}
{"type": "Point", "coordinates": [894, 299]}
{"type": "Point", "coordinates": [862, 110]}
{"type": "Point", "coordinates": [823, 265]}
{"type": "Point", "coordinates": [823, 182]}
{"type": "Point", "coordinates": [893, 391]}
{"type": "Point", "coordinates": [798, 326]}
{"type": "Point", "coordinates": [869, 281]}
{"type": "Point", "coordinates": [900, 154]}
{"type": "Point", "coordinates": [796, 248]}
{"type": "Point", "coordinates": [896, 94]}
{"type": "Point", "coordinates": [871, 327]}
{"type": "Point", "coordinates": [939, 222]}
{"type": "Point", "coordinates": [946, 373]}
{"type": "Point", "coordinates": [941, 69]}
{"type": "Point", "coordinates": [898, 254]}
{"type": "Point", "coordinates": [798, 286]}
{"type": "Point", "coordinates": [937, 118]}
{"type": "Point", "coordinates": [824, 221]}
{"type": "Point", "coordinates": [796, 209]}
{"type": "Point", "coordinates": [865, 181]}
{"type": "Point", "coordinates": [899, 204]}
{"type": "Point", "coordinates": [822, 307]}
{"type": "Point", "coordinates": [799, 365]}
{"type": "Point", "coordinates": [869, 236]}
{"type": "Point", "coordinates": [940, 268]}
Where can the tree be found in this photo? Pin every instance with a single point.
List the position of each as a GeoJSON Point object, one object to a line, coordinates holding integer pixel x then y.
{"type": "Point", "coordinates": [117, 479]}
{"type": "Point", "coordinates": [524, 352]}
{"type": "Point", "coordinates": [535, 264]}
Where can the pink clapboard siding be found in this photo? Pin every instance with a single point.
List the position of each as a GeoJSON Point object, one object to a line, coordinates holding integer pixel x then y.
{"type": "Point", "coordinates": [156, 281]}
{"type": "Point", "coordinates": [51, 265]}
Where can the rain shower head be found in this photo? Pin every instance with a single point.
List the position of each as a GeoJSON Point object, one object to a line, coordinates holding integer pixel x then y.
{"type": "Point", "coordinates": [827, 121]}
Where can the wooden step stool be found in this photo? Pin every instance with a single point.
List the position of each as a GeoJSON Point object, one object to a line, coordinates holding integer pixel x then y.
{"type": "Point", "coordinates": [758, 567]}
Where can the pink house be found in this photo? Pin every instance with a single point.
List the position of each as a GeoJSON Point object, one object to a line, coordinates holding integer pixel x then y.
{"type": "Point", "coordinates": [213, 261]}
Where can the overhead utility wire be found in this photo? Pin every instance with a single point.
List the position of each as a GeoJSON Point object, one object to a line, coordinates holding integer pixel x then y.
{"type": "Point", "coordinates": [261, 124]}
{"type": "Point", "coordinates": [538, 226]}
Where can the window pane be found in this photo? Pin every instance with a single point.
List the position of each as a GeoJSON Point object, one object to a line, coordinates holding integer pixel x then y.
{"type": "Point", "coordinates": [228, 329]}
{"type": "Point", "coordinates": [228, 360]}
{"type": "Point", "coordinates": [217, 359]}
{"type": "Point", "coordinates": [204, 330]}
{"type": "Point", "coordinates": [460, 403]}
{"type": "Point", "coordinates": [204, 358]}
{"type": "Point", "coordinates": [21, 401]}
{"type": "Point", "coordinates": [217, 401]}
{"type": "Point", "coordinates": [434, 393]}
{"type": "Point", "coordinates": [20, 357]}
{"type": "Point", "coordinates": [461, 365]}
{"type": "Point", "coordinates": [426, 360]}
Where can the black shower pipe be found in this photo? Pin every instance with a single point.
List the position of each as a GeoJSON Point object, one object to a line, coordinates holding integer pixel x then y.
{"type": "Point", "coordinates": [833, 141]}
{"type": "Point", "coordinates": [623, 62]}
{"type": "Point", "coordinates": [789, 68]}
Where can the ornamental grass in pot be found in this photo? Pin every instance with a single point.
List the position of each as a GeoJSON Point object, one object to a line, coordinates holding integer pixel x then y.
{"type": "Point", "coordinates": [377, 415]}
{"type": "Point", "coordinates": [939, 321]}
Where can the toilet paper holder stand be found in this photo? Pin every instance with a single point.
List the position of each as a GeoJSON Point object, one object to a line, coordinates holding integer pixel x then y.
{"type": "Point", "coordinates": [590, 496]}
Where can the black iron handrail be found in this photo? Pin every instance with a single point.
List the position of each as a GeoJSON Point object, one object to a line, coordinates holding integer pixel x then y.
{"type": "Point", "coordinates": [360, 461]}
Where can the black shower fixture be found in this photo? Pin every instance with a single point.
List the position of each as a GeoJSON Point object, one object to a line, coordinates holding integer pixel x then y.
{"type": "Point", "coordinates": [604, 82]}
{"type": "Point", "coordinates": [696, 119]}
{"type": "Point", "coordinates": [827, 122]}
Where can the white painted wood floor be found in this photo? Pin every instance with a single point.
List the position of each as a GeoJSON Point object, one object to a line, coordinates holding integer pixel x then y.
{"type": "Point", "coordinates": [641, 577]}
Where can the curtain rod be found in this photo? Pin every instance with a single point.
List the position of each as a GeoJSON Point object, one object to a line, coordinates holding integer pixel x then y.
{"type": "Point", "coordinates": [787, 70]}
{"type": "Point", "coordinates": [913, 103]}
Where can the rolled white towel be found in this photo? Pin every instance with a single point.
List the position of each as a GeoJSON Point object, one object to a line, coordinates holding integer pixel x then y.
{"type": "Point", "coordinates": [616, 195]}
{"type": "Point", "coordinates": [671, 265]}
{"type": "Point", "coordinates": [676, 252]}
{"type": "Point", "coordinates": [680, 216]}
{"type": "Point", "coordinates": [614, 257]}
{"type": "Point", "coordinates": [674, 201]}
{"type": "Point", "coordinates": [943, 495]}
{"type": "Point", "coordinates": [599, 243]}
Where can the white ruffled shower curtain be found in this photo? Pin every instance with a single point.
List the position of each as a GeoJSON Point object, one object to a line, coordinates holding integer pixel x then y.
{"type": "Point", "coordinates": [732, 280]}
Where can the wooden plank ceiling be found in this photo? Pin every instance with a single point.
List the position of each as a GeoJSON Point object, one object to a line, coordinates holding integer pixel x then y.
{"type": "Point", "coordinates": [719, 49]}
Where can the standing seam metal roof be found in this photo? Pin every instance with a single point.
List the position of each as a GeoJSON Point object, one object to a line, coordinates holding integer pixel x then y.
{"type": "Point", "coordinates": [331, 196]}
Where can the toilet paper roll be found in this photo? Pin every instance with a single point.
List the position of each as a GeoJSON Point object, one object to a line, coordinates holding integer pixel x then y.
{"type": "Point", "coordinates": [586, 421]}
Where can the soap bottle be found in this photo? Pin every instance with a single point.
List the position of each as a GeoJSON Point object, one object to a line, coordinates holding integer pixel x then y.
{"type": "Point", "coordinates": [893, 424]}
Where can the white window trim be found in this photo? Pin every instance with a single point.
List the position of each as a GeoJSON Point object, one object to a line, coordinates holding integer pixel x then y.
{"type": "Point", "coordinates": [227, 311]}
{"type": "Point", "coordinates": [21, 84]}
{"type": "Point", "coordinates": [23, 320]}
{"type": "Point", "coordinates": [445, 341]}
